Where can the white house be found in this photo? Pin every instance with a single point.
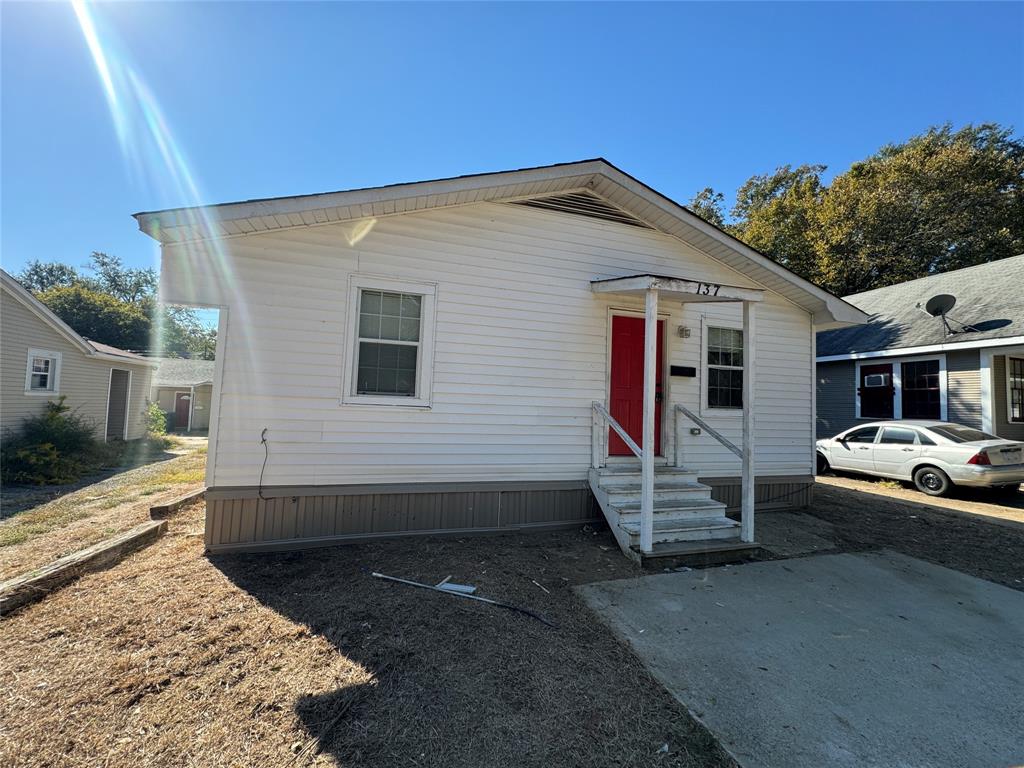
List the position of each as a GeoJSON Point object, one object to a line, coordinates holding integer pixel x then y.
{"type": "Point", "coordinates": [447, 356]}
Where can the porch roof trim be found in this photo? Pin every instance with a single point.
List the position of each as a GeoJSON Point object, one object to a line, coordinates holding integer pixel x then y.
{"type": "Point", "coordinates": [678, 288]}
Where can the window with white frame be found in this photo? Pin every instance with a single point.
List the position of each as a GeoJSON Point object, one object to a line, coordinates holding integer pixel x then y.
{"type": "Point", "coordinates": [725, 368]}
{"type": "Point", "coordinates": [1015, 389]}
{"type": "Point", "coordinates": [391, 347]}
{"type": "Point", "coordinates": [42, 372]}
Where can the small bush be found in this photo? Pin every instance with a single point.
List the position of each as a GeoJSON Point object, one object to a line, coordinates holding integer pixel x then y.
{"type": "Point", "coordinates": [57, 446]}
{"type": "Point", "coordinates": [156, 420]}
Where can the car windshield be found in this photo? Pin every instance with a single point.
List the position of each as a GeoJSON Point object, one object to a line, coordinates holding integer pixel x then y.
{"type": "Point", "coordinates": [959, 434]}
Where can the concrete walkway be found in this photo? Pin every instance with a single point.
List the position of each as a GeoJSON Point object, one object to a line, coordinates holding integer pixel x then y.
{"type": "Point", "coordinates": [841, 660]}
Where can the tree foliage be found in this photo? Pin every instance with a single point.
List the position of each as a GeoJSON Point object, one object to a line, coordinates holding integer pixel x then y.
{"type": "Point", "coordinates": [100, 316]}
{"type": "Point", "coordinates": [710, 206]}
{"type": "Point", "coordinates": [940, 201]}
{"type": "Point", "coordinates": [117, 305]}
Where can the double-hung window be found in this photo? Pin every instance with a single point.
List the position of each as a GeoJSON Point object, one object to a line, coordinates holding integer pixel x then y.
{"type": "Point", "coordinates": [725, 368]}
{"type": "Point", "coordinates": [42, 373]}
{"type": "Point", "coordinates": [1015, 389]}
{"type": "Point", "coordinates": [391, 354]}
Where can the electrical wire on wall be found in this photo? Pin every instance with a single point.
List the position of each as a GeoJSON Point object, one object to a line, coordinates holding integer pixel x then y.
{"type": "Point", "coordinates": [266, 457]}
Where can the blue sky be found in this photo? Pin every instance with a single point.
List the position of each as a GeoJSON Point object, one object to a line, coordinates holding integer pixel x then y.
{"type": "Point", "coordinates": [271, 99]}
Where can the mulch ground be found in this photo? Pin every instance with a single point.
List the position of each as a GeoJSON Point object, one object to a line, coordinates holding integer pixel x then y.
{"type": "Point", "coordinates": [174, 659]}
{"type": "Point", "coordinates": [925, 529]}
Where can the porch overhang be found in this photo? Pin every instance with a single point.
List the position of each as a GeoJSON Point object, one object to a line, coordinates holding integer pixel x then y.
{"type": "Point", "coordinates": [676, 288]}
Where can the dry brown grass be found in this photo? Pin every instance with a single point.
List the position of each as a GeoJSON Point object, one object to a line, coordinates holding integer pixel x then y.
{"type": "Point", "coordinates": [173, 659]}
{"type": "Point", "coordinates": [35, 537]}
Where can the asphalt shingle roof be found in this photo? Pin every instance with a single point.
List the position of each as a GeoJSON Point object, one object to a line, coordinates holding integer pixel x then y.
{"type": "Point", "coordinates": [989, 297]}
{"type": "Point", "coordinates": [179, 372]}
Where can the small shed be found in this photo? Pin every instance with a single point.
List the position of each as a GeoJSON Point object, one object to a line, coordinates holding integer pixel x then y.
{"type": "Point", "coordinates": [183, 388]}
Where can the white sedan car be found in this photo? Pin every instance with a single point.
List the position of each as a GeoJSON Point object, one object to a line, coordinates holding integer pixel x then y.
{"type": "Point", "coordinates": [934, 455]}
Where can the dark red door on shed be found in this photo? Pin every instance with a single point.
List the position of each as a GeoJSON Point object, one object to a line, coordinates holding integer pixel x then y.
{"type": "Point", "coordinates": [182, 404]}
{"type": "Point", "coordinates": [626, 401]}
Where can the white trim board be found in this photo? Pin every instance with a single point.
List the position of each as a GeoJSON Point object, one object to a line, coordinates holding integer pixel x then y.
{"type": "Point", "coordinates": [57, 358]}
{"type": "Point", "coordinates": [1010, 421]}
{"type": "Point", "coordinates": [908, 351]}
{"type": "Point", "coordinates": [357, 282]}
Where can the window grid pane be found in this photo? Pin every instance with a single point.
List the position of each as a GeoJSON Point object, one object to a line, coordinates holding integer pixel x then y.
{"type": "Point", "coordinates": [389, 336]}
{"type": "Point", "coordinates": [1016, 368]}
{"type": "Point", "coordinates": [386, 369]}
{"type": "Point", "coordinates": [920, 390]}
{"type": "Point", "coordinates": [385, 315]}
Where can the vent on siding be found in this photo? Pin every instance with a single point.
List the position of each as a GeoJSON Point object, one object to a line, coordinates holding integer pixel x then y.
{"type": "Point", "coordinates": [583, 204]}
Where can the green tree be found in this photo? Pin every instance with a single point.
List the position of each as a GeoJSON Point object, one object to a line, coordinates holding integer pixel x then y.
{"type": "Point", "coordinates": [710, 206]}
{"type": "Point", "coordinates": [100, 316]}
{"type": "Point", "coordinates": [775, 214]}
{"type": "Point", "coordinates": [940, 201]}
{"type": "Point", "coordinates": [173, 331]}
{"type": "Point", "coordinates": [943, 200]}
{"type": "Point", "coordinates": [125, 283]}
{"type": "Point", "coordinates": [38, 276]}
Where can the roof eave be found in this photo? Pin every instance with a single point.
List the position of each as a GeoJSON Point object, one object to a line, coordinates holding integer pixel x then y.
{"type": "Point", "coordinates": [647, 204]}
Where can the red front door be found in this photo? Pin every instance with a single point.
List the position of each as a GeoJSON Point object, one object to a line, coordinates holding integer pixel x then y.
{"type": "Point", "coordinates": [627, 390]}
{"type": "Point", "coordinates": [182, 401]}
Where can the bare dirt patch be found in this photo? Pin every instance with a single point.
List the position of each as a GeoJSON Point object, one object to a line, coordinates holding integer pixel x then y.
{"type": "Point", "coordinates": [36, 536]}
{"type": "Point", "coordinates": [936, 530]}
{"type": "Point", "coordinates": [303, 658]}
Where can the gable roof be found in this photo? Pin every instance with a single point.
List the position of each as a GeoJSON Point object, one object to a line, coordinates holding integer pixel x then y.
{"type": "Point", "coordinates": [596, 177]}
{"type": "Point", "coordinates": [183, 372]}
{"type": "Point", "coordinates": [87, 346]}
{"type": "Point", "coordinates": [989, 298]}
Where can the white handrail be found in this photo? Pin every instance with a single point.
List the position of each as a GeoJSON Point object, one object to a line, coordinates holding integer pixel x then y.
{"type": "Point", "coordinates": [606, 418]}
{"type": "Point", "coordinates": [707, 428]}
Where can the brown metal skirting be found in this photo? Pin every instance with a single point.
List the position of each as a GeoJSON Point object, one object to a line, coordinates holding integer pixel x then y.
{"type": "Point", "coordinates": [295, 517]}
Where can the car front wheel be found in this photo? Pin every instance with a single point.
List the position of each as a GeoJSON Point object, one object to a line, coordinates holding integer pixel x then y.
{"type": "Point", "coordinates": [932, 481]}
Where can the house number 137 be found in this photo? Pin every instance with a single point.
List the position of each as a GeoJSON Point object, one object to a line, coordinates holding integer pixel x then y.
{"type": "Point", "coordinates": [708, 289]}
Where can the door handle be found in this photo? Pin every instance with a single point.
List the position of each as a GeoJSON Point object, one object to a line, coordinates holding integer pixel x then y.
{"type": "Point", "coordinates": [862, 448]}
{"type": "Point", "coordinates": [908, 449]}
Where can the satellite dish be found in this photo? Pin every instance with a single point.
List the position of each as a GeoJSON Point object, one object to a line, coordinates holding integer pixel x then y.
{"type": "Point", "coordinates": [939, 305]}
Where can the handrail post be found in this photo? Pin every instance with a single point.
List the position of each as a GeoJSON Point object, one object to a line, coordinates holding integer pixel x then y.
{"type": "Point", "coordinates": [748, 483]}
{"type": "Point", "coordinates": [647, 452]}
{"type": "Point", "coordinates": [677, 436]}
{"type": "Point", "coordinates": [596, 423]}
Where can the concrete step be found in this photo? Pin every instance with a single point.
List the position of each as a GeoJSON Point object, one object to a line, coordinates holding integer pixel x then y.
{"type": "Point", "coordinates": [677, 509]}
{"type": "Point", "coordinates": [664, 490]}
{"type": "Point", "coordinates": [692, 529]}
{"type": "Point", "coordinates": [714, 552]}
{"type": "Point", "coordinates": [630, 475]}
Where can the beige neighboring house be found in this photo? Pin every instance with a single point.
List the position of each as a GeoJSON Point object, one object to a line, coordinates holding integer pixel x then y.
{"type": "Point", "coordinates": [42, 358]}
{"type": "Point", "coordinates": [183, 389]}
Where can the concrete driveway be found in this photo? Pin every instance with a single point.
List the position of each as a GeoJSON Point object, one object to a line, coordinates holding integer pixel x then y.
{"type": "Point", "coordinates": [871, 659]}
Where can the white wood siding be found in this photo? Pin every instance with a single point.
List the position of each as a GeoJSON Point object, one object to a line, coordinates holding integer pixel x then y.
{"type": "Point", "coordinates": [83, 379]}
{"type": "Point", "coordinates": [520, 349]}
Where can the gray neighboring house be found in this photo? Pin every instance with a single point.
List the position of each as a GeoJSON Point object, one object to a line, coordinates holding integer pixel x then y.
{"type": "Point", "coordinates": [904, 363]}
{"type": "Point", "coordinates": [42, 358]}
{"type": "Point", "coordinates": [184, 390]}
